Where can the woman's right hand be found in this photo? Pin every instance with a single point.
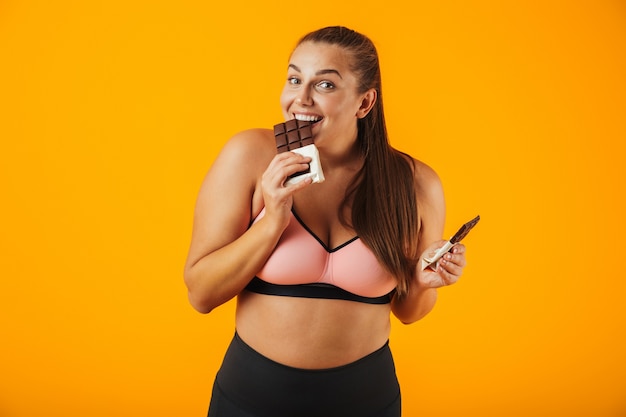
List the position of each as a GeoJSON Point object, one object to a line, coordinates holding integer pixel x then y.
{"type": "Point", "coordinates": [277, 196]}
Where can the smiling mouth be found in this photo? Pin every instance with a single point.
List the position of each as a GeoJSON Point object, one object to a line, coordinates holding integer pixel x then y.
{"type": "Point", "coordinates": [307, 118]}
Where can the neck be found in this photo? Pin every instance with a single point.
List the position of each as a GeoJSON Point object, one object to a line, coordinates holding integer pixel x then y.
{"type": "Point", "coordinates": [333, 158]}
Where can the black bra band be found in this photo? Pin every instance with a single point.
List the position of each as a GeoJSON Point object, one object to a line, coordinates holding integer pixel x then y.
{"type": "Point", "coordinates": [316, 290]}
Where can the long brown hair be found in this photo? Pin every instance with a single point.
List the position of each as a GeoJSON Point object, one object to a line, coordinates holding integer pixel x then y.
{"type": "Point", "coordinates": [384, 210]}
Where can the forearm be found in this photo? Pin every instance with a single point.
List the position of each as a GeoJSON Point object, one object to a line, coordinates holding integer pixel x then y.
{"type": "Point", "coordinates": [415, 305]}
{"type": "Point", "coordinates": [222, 274]}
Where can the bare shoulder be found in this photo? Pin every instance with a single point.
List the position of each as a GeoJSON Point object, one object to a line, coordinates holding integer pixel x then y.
{"type": "Point", "coordinates": [236, 172]}
{"type": "Point", "coordinates": [427, 184]}
{"type": "Point", "coordinates": [250, 145]}
{"type": "Point", "coordinates": [244, 157]}
{"type": "Point", "coordinates": [229, 191]}
{"type": "Point", "coordinates": [430, 202]}
{"type": "Point", "coordinates": [234, 175]}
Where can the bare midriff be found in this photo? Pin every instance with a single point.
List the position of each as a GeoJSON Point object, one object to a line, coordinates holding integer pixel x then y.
{"type": "Point", "coordinates": [311, 333]}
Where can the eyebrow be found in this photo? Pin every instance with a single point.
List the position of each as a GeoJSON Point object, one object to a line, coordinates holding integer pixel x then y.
{"type": "Point", "coordinates": [320, 72]}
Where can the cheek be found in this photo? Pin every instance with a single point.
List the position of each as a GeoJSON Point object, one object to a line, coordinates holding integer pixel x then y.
{"type": "Point", "coordinates": [286, 98]}
{"type": "Point", "coordinates": [343, 109]}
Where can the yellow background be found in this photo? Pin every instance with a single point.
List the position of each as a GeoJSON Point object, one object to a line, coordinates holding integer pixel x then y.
{"type": "Point", "coordinates": [112, 111]}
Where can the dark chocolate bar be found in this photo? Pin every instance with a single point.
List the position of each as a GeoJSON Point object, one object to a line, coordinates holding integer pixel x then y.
{"type": "Point", "coordinates": [292, 134]}
{"type": "Point", "coordinates": [464, 230]}
{"type": "Point", "coordinates": [296, 136]}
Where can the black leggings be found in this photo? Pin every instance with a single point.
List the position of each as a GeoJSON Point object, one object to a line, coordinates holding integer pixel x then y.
{"type": "Point", "coordinates": [250, 385]}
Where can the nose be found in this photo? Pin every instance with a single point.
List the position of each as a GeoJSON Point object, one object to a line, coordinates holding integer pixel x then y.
{"type": "Point", "coordinates": [303, 98]}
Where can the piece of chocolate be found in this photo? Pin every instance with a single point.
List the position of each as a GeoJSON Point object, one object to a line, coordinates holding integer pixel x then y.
{"type": "Point", "coordinates": [433, 261]}
{"type": "Point", "coordinates": [292, 134]}
{"type": "Point", "coordinates": [296, 136]}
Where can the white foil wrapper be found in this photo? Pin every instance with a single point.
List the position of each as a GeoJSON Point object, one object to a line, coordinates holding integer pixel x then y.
{"type": "Point", "coordinates": [316, 173]}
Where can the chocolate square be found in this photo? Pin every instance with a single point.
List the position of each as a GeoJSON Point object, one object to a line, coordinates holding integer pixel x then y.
{"type": "Point", "coordinates": [292, 134]}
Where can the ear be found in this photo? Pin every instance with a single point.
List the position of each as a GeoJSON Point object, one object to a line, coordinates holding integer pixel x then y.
{"type": "Point", "coordinates": [367, 102]}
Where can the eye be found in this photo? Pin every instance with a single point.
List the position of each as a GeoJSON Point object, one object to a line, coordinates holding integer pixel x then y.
{"type": "Point", "coordinates": [293, 80]}
{"type": "Point", "coordinates": [326, 85]}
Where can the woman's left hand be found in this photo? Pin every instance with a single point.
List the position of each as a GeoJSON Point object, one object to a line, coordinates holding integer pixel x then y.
{"type": "Point", "coordinates": [449, 268]}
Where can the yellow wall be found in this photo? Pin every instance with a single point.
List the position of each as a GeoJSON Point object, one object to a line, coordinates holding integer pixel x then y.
{"type": "Point", "coordinates": [112, 111]}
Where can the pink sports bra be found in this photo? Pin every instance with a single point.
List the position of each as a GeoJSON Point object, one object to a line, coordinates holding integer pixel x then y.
{"type": "Point", "coordinates": [301, 265]}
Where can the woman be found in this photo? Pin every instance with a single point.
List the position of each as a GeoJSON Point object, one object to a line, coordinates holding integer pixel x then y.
{"type": "Point", "coordinates": [318, 268]}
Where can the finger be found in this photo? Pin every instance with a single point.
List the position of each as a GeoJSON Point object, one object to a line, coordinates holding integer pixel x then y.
{"type": "Point", "coordinates": [285, 165]}
{"type": "Point", "coordinates": [291, 171]}
{"type": "Point", "coordinates": [294, 163]}
{"type": "Point", "coordinates": [296, 157]}
{"type": "Point", "coordinates": [449, 271]}
{"type": "Point", "coordinates": [457, 259]}
{"type": "Point", "coordinates": [458, 248]}
{"type": "Point", "coordinates": [447, 277]}
{"type": "Point", "coordinates": [453, 263]}
{"type": "Point", "coordinates": [287, 158]}
{"type": "Point", "coordinates": [300, 184]}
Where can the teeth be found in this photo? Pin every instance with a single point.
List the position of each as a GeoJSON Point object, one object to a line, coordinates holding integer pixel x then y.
{"type": "Point", "coordinates": [306, 118]}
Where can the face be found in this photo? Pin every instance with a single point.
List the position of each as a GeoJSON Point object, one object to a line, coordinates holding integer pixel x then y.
{"type": "Point", "coordinates": [321, 88]}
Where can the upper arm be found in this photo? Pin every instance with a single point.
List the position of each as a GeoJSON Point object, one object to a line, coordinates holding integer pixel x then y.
{"type": "Point", "coordinates": [431, 211]}
{"type": "Point", "coordinates": [431, 205]}
{"type": "Point", "coordinates": [224, 204]}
